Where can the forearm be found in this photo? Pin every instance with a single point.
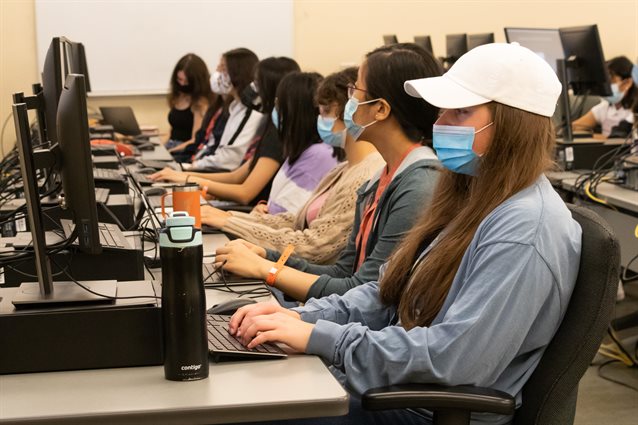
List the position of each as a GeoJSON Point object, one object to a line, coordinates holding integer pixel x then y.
{"type": "Point", "coordinates": [226, 191]}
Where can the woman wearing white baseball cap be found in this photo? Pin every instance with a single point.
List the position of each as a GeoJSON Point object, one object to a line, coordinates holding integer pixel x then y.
{"type": "Point", "coordinates": [477, 289]}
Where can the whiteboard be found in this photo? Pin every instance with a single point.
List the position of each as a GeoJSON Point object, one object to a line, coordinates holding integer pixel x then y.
{"type": "Point", "coordinates": [132, 46]}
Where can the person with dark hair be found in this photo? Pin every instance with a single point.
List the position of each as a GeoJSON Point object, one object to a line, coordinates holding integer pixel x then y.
{"type": "Point", "coordinates": [320, 229]}
{"type": "Point", "coordinates": [251, 182]}
{"type": "Point", "coordinates": [616, 108]}
{"type": "Point", "coordinates": [397, 125]}
{"type": "Point", "coordinates": [189, 97]}
{"type": "Point", "coordinates": [307, 159]}
{"type": "Point", "coordinates": [477, 289]}
{"type": "Point", "coordinates": [233, 75]}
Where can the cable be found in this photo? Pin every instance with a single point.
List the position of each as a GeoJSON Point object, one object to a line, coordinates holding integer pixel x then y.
{"type": "Point", "coordinates": [254, 293]}
{"type": "Point", "coordinates": [615, 381]}
{"type": "Point", "coordinates": [103, 295]}
{"type": "Point", "coordinates": [624, 278]}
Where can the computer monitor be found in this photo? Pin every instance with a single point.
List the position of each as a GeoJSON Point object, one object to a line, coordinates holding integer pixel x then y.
{"type": "Point", "coordinates": [76, 168]}
{"type": "Point", "coordinates": [545, 42]}
{"type": "Point", "coordinates": [585, 62]}
{"type": "Point", "coordinates": [475, 40]}
{"type": "Point", "coordinates": [72, 157]}
{"type": "Point", "coordinates": [57, 64]}
{"type": "Point", "coordinates": [79, 64]}
{"type": "Point", "coordinates": [424, 41]}
{"type": "Point", "coordinates": [455, 47]}
{"type": "Point", "coordinates": [390, 39]}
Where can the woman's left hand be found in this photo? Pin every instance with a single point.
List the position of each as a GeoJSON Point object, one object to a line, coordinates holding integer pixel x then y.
{"type": "Point", "coordinates": [276, 327]}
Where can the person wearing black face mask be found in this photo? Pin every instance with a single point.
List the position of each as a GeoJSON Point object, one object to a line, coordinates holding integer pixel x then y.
{"type": "Point", "coordinates": [250, 97]}
{"type": "Point", "coordinates": [189, 98]}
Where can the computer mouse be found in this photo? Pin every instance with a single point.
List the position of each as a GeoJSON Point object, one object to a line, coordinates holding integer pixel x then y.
{"type": "Point", "coordinates": [229, 307]}
{"type": "Point", "coordinates": [155, 191]}
{"type": "Point", "coordinates": [129, 160]}
{"type": "Point", "coordinates": [147, 170]}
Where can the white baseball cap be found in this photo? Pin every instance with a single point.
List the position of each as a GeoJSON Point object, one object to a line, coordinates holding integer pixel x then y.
{"type": "Point", "coordinates": [505, 73]}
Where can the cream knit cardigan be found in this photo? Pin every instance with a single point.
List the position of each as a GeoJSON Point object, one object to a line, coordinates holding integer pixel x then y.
{"type": "Point", "coordinates": [323, 240]}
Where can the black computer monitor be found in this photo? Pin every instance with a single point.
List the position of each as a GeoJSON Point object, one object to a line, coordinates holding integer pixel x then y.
{"type": "Point", "coordinates": [475, 40]}
{"type": "Point", "coordinates": [52, 82]}
{"type": "Point", "coordinates": [424, 41]}
{"type": "Point", "coordinates": [545, 42]}
{"type": "Point", "coordinates": [390, 39]}
{"type": "Point", "coordinates": [585, 62]}
{"type": "Point", "coordinates": [77, 60]}
{"type": "Point", "coordinates": [455, 47]}
{"type": "Point", "coordinates": [76, 168]}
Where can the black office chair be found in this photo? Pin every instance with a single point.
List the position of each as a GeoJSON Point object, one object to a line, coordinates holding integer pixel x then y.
{"type": "Point", "coordinates": [549, 396]}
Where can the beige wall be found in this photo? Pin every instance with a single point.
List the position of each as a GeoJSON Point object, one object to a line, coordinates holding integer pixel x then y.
{"type": "Point", "coordinates": [331, 33]}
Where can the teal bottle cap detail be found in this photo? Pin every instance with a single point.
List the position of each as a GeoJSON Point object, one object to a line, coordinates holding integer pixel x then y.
{"type": "Point", "coordinates": [180, 231]}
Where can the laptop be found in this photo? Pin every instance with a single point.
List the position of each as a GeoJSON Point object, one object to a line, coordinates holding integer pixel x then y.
{"type": "Point", "coordinates": [122, 119]}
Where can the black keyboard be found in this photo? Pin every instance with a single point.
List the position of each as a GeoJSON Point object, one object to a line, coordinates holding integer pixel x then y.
{"type": "Point", "coordinates": [222, 344]}
{"type": "Point", "coordinates": [142, 179]}
{"type": "Point", "coordinates": [111, 236]}
{"type": "Point", "coordinates": [220, 277]}
{"type": "Point", "coordinates": [106, 174]}
{"type": "Point", "coordinates": [101, 195]}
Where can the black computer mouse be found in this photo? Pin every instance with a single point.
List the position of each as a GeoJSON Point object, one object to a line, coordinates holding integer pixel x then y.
{"type": "Point", "coordinates": [155, 191]}
{"type": "Point", "coordinates": [129, 160]}
{"type": "Point", "coordinates": [147, 170]}
{"type": "Point", "coordinates": [229, 307]}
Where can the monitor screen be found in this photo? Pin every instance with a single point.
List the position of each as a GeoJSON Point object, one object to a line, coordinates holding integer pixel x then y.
{"type": "Point", "coordinates": [544, 42]}
{"type": "Point", "coordinates": [456, 46]}
{"type": "Point", "coordinates": [586, 69]}
{"type": "Point", "coordinates": [424, 41]}
{"type": "Point", "coordinates": [475, 40]}
{"type": "Point", "coordinates": [390, 39]}
{"type": "Point", "coordinates": [76, 168]}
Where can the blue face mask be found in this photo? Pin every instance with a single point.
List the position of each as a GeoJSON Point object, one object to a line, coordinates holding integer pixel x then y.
{"type": "Point", "coordinates": [324, 127]}
{"type": "Point", "coordinates": [616, 95]}
{"type": "Point", "coordinates": [274, 115]}
{"type": "Point", "coordinates": [453, 145]}
{"type": "Point", "coordinates": [353, 128]}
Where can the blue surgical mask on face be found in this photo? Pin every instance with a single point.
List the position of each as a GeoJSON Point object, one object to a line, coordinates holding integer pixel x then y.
{"type": "Point", "coordinates": [453, 145]}
{"type": "Point", "coordinates": [353, 128]}
{"type": "Point", "coordinates": [324, 127]}
{"type": "Point", "coordinates": [274, 115]}
{"type": "Point", "coordinates": [616, 95]}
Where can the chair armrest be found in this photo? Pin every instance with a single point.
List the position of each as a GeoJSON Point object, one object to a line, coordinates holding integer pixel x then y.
{"type": "Point", "coordinates": [433, 397]}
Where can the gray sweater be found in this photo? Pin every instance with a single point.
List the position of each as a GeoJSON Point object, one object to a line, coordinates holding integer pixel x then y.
{"type": "Point", "coordinates": [408, 193]}
{"type": "Point", "coordinates": [505, 304]}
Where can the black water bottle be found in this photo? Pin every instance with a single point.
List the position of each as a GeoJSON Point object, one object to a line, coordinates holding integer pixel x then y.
{"type": "Point", "coordinates": [183, 300]}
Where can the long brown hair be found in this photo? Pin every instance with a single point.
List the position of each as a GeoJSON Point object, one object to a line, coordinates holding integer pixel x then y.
{"type": "Point", "coordinates": [520, 151]}
{"type": "Point", "coordinates": [198, 79]}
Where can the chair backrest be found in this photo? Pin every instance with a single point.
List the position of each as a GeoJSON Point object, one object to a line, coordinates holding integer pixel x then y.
{"type": "Point", "coordinates": [549, 396]}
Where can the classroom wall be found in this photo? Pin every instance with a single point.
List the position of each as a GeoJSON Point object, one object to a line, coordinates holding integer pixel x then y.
{"type": "Point", "coordinates": [330, 34]}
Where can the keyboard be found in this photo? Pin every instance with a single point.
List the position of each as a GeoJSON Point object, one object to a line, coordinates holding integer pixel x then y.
{"type": "Point", "coordinates": [214, 278]}
{"type": "Point", "coordinates": [221, 344]}
{"type": "Point", "coordinates": [101, 195]}
{"type": "Point", "coordinates": [142, 179]}
{"type": "Point", "coordinates": [106, 174]}
{"type": "Point", "coordinates": [110, 235]}
{"type": "Point", "coordinates": [158, 165]}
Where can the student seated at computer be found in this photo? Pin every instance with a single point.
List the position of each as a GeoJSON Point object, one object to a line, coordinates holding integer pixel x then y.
{"type": "Point", "coordinates": [251, 182]}
{"type": "Point", "coordinates": [615, 108]}
{"type": "Point", "coordinates": [234, 74]}
{"type": "Point", "coordinates": [320, 229]}
{"type": "Point", "coordinates": [477, 289]}
{"type": "Point", "coordinates": [396, 124]}
{"type": "Point", "coordinates": [189, 98]}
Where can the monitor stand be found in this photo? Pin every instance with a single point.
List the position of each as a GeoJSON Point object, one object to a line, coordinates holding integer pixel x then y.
{"type": "Point", "coordinates": [65, 294]}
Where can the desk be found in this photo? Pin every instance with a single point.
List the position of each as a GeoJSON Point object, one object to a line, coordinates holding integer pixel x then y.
{"type": "Point", "coordinates": [297, 387]}
{"type": "Point", "coordinates": [158, 154]}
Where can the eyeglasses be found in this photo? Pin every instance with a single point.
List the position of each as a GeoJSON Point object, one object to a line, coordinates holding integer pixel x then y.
{"type": "Point", "coordinates": [351, 88]}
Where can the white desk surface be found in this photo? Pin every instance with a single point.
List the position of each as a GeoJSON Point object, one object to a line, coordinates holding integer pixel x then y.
{"type": "Point", "coordinates": [296, 387]}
